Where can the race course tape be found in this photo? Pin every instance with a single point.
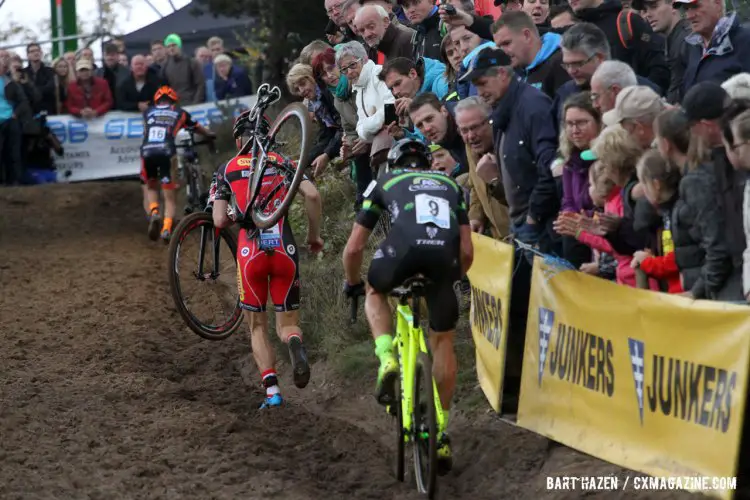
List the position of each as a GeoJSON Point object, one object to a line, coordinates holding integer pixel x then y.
{"type": "Point", "coordinates": [648, 381]}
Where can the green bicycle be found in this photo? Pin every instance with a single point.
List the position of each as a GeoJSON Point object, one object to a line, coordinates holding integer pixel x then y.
{"type": "Point", "coordinates": [418, 414]}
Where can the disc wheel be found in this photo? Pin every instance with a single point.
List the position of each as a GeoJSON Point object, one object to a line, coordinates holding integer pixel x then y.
{"type": "Point", "coordinates": [291, 132]}
{"type": "Point", "coordinates": [425, 427]}
{"type": "Point", "coordinates": [200, 256]}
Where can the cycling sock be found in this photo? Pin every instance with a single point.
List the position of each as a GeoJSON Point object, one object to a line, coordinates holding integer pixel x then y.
{"type": "Point", "coordinates": [294, 335]}
{"type": "Point", "coordinates": [384, 347]}
{"type": "Point", "coordinates": [271, 383]}
{"type": "Point", "coordinates": [152, 207]}
{"type": "Point", "coordinates": [167, 224]}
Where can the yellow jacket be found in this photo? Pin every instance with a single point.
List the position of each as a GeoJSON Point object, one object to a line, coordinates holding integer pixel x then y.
{"type": "Point", "coordinates": [483, 206]}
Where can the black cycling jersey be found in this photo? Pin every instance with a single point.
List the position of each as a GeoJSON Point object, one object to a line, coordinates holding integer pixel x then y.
{"type": "Point", "coordinates": [426, 207]}
{"type": "Point", "coordinates": [160, 126]}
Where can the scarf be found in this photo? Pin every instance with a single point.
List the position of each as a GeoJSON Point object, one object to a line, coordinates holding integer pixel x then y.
{"type": "Point", "coordinates": [342, 89]}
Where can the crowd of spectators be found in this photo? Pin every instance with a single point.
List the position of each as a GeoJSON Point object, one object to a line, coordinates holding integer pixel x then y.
{"type": "Point", "coordinates": [75, 84]}
{"type": "Point", "coordinates": [616, 137]}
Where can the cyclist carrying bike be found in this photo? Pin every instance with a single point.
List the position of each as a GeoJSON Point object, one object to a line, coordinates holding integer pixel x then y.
{"type": "Point", "coordinates": [430, 235]}
{"type": "Point", "coordinates": [161, 123]}
{"type": "Point", "coordinates": [267, 261]}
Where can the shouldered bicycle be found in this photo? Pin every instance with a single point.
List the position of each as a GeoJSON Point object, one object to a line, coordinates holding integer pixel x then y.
{"type": "Point", "coordinates": [418, 413]}
{"type": "Point", "coordinates": [206, 269]}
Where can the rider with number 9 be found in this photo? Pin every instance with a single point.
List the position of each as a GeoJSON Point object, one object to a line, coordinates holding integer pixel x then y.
{"type": "Point", "coordinates": [430, 235]}
{"type": "Point", "coordinates": [161, 123]}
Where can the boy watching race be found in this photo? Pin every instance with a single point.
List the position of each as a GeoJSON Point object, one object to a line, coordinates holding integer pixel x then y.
{"type": "Point", "coordinates": [161, 123]}
{"type": "Point", "coordinates": [267, 261]}
{"type": "Point", "coordinates": [430, 235]}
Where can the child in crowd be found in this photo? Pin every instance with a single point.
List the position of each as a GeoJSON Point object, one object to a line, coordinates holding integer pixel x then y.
{"type": "Point", "coordinates": [660, 180]}
{"type": "Point", "coordinates": [604, 264]}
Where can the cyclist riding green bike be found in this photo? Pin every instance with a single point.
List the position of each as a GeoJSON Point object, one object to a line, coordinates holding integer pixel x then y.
{"type": "Point", "coordinates": [430, 235]}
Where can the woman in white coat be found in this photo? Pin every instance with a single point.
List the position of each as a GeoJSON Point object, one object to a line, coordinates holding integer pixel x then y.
{"type": "Point", "coordinates": [372, 95]}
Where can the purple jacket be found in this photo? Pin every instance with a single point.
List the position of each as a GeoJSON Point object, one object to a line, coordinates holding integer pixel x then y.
{"type": "Point", "coordinates": [576, 185]}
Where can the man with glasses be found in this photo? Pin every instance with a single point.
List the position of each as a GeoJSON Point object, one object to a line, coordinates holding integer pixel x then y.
{"type": "Point", "coordinates": [608, 81]}
{"type": "Point", "coordinates": [719, 47]}
{"type": "Point", "coordinates": [585, 48]}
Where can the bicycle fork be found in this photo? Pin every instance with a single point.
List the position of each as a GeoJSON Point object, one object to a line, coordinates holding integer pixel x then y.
{"type": "Point", "coordinates": [215, 241]}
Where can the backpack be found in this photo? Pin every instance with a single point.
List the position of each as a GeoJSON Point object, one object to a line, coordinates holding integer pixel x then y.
{"type": "Point", "coordinates": [625, 27]}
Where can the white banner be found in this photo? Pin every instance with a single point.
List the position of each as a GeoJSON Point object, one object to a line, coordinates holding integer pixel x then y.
{"type": "Point", "coordinates": [109, 146]}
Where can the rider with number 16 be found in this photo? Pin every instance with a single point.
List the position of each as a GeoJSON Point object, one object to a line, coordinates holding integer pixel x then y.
{"type": "Point", "coordinates": [430, 235]}
{"type": "Point", "coordinates": [161, 123]}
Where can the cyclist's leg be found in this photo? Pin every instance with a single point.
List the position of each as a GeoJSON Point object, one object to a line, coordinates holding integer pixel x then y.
{"type": "Point", "coordinates": [252, 282]}
{"type": "Point", "coordinates": [388, 269]}
{"type": "Point", "coordinates": [285, 294]}
{"type": "Point", "coordinates": [169, 188]}
{"type": "Point", "coordinates": [149, 177]}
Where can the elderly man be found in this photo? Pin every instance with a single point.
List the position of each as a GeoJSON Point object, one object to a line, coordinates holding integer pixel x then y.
{"type": "Point", "coordinates": [205, 56]}
{"type": "Point", "coordinates": [525, 146]}
{"type": "Point", "coordinates": [608, 81]}
{"type": "Point", "coordinates": [385, 39]}
{"type": "Point", "coordinates": [136, 93]}
{"type": "Point", "coordinates": [635, 110]}
{"type": "Point", "coordinates": [719, 47]}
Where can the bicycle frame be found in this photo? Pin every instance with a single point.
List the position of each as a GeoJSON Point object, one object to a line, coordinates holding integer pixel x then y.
{"type": "Point", "coordinates": [215, 240]}
{"type": "Point", "coordinates": [410, 341]}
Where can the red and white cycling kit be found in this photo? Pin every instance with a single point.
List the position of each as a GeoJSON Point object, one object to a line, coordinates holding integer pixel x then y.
{"type": "Point", "coordinates": [266, 259]}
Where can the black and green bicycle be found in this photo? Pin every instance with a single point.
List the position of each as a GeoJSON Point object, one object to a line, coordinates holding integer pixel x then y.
{"type": "Point", "coordinates": [418, 415]}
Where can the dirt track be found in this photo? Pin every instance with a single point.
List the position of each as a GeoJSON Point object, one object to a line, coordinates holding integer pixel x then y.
{"type": "Point", "coordinates": [105, 394]}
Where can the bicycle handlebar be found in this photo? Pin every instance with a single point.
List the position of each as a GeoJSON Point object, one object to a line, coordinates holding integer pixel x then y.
{"type": "Point", "coordinates": [354, 306]}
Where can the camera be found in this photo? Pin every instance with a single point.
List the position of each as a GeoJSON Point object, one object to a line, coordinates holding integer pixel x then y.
{"type": "Point", "coordinates": [449, 9]}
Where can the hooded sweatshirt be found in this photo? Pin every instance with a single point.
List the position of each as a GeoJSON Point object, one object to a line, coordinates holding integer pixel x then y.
{"type": "Point", "coordinates": [466, 89]}
{"type": "Point", "coordinates": [546, 72]}
{"type": "Point", "coordinates": [434, 79]}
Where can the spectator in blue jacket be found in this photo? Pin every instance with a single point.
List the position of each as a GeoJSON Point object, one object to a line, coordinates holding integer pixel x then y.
{"type": "Point", "coordinates": [231, 80]}
{"type": "Point", "coordinates": [525, 146]}
{"type": "Point", "coordinates": [719, 46]}
{"type": "Point", "coordinates": [408, 79]}
{"type": "Point", "coordinates": [468, 45]}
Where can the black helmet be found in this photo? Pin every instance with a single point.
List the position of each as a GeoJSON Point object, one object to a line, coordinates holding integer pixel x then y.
{"type": "Point", "coordinates": [409, 153]}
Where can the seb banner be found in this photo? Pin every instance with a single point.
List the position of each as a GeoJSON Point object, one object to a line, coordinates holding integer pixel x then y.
{"type": "Point", "coordinates": [648, 381]}
{"type": "Point", "coordinates": [490, 275]}
{"type": "Point", "coordinates": [109, 146]}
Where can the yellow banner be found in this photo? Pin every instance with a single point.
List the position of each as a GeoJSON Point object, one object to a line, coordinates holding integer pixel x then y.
{"type": "Point", "coordinates": [490, 276]}
{"type": "Point", "coordinates": [646, 380]}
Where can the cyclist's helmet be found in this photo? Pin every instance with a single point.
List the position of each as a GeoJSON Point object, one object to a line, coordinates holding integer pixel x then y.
{"type": "Point", "coordinates": [409, 153]}
{"type": "Point", "coordinates": [165, 91]}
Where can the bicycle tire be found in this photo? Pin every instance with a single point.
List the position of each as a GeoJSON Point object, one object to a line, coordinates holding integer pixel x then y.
{"type": "Point", "coordinates": [400, 437]}
{"type": "Point", "coordinates": [425, 467]}
{"type": "Point", "coordinates": [293, 111]}
{"type": "Point", "coordinates": [207, 332]}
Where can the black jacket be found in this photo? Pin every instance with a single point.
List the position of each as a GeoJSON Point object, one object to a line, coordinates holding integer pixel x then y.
{"type": "Point", "coordinates": [128, 95]}
{"type": "Point", "coordinates": [676, 51]}
{"type": "Point", "coordinates": [398, 41]}
{"type": "Point", "coordinates": [525, 146]}
{"type": "Point", "coordinates": [44, 81]}
{"type": "Point", "coordinates": [548, 76]}
{"type": "Point", "coordinates": [328, 140]}
{"type": "Point", "coordinates": [699, 236]}
{"type": "Point", "coordinates": [645, 52]}
{"type": "Point", "coordinates": [428, 38]}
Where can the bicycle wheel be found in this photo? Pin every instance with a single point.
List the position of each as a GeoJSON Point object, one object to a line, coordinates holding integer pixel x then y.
{"type": "Point", "coordinates": [205, 269]}
{"type": "Point", "coordinates": [297, 150]}
{"type": "Point", "coordinates": [398, 421]}
{"type": "Point", "coordinates": [424, 427]}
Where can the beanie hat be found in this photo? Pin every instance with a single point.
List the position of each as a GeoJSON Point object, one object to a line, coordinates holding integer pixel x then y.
{"type": "Point", "coordinates": [173, 39]}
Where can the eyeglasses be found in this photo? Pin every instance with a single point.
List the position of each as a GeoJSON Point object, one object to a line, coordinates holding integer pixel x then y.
{"type": "Point", "coordinates": [334, 8]}
{"type": "Point", "coordinates": [578, 124]}
{"type": "Point", "coordinates": [346, 69]}
{"type": "Point", "coordinates": [735, 147]}
{"type": "Point", "coordinates": [577, 64]}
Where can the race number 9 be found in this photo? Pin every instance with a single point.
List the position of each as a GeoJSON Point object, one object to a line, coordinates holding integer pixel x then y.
{"type": "Point", "coordinates": [432, 209]}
